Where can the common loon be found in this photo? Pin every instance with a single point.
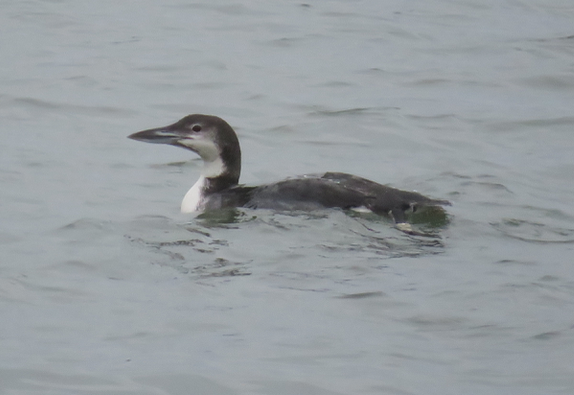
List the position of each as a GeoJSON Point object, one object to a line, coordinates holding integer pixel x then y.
{"type": "Point", "coordinates": [217, 187]}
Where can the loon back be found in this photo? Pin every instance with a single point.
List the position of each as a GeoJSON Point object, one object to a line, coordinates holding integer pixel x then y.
{"type": "Point", "coordinates": [339, 190]}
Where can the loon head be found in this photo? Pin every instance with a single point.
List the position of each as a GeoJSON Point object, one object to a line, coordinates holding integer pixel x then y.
{"type": "Point", "coordinates": [208, 136]}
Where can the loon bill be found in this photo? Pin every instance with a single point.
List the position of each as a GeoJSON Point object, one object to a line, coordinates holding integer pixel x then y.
{"type": "Point", "coordinates": [217, 187]}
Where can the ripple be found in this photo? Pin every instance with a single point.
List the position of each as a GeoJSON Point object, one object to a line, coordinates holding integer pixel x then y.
{"type": "Point", "coordinates": [38, 105]}
{"type": "Point", "coordinates": [363, 295]}
{"type": "Point", "coordinates": [535, 232]}
{"type": "Point", "coordinates": [229, 246]}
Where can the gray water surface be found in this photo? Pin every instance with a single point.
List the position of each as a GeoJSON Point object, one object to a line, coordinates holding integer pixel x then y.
{"type": "Point", "coordinates": [105, 288]}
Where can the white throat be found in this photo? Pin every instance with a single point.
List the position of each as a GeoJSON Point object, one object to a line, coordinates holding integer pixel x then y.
{"type": "Point", "coordinates": [194, 199]}
{"type": "Point", "coordinates": [213, 168]}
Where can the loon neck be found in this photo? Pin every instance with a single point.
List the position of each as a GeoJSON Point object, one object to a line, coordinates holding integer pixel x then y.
{"type": "Point", "coordinates": [221, 156]}
{"type": "Point", "coordinates": [219, 174]}
{"type": "Point", "coordinates": [217, 184]}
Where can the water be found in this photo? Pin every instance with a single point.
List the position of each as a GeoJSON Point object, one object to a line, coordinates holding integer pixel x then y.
{"type": "Point", "coordinates": [105, 288]}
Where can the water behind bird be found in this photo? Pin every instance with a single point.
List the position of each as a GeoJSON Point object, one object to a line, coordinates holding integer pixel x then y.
{"type": "Point", "coordinates": [106, 288]}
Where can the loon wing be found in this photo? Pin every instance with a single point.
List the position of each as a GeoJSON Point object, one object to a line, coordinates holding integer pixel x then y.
{"type": "Point", "coordinates": [306, 193]}
{"type": "Point", "coordinates": [382, 199]}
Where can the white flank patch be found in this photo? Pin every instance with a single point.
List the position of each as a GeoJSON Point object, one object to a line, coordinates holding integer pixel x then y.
{"type": "Point", "coordinates": [361, 209]}
{"type": "Point", "coordinates": [404, 226]}
{"type": "Point", "coordinates": [194, 197]}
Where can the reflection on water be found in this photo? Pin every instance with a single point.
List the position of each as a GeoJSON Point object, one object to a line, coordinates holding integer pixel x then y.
{"type": "Point", "coordinates": [326, 234]}
{"type": "Point", "coordinates": [536, 232]}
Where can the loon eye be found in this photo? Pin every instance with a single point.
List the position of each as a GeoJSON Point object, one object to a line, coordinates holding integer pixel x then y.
{"type": "Point", "coordinates": [196, 128]}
